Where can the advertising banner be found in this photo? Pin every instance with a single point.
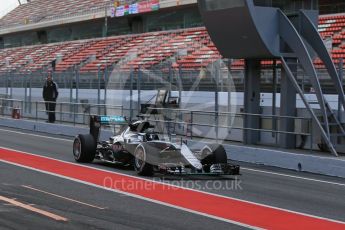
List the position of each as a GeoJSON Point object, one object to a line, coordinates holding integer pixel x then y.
{"type": "Point", "coordinates": [120, 11]}
{"type": "Point", "coordinates": [126, 10]}
{"type": "Point", "coordinates": [154, 5]}
{"type": "Point", "coordinates": [112, 12]}
{"type": "Point", "coordinates": [148, 6]}
{"type": "Point", "coordinates": [136, 8]}
{"type": "Point", "coordinates": [133, 9]}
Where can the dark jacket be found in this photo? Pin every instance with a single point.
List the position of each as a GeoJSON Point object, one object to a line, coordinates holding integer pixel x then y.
{"type": "Point", "coordinates": [50, 91]}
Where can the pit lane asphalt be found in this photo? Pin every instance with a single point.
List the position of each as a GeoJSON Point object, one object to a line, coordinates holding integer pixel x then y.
{"type": "Point", "coordinates": [258, 184]}
{"type": "Point", "coordinates": [115, 211]}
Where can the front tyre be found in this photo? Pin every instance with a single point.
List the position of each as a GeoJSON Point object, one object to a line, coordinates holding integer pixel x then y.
{"type": "Point", "coordinates": [140, 161]}
{"type": "Point", "coordinates": [213, 154]}
{"type": "Point", "coordinates": [84, 148]}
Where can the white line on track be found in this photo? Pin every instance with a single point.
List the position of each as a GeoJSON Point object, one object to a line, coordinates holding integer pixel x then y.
{"type": "Point", "coordinates": [32, 209]}
{"type": "Point", "coordinates": [62, 197]}
{"type": "Point", "coordinates": [35, 135]}
{"type": "Point", "coordinates": [292, 176]}
{"type": "Point", "coordinates": [159, 182]}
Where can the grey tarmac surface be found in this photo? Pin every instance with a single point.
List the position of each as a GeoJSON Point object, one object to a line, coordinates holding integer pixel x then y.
{"type": "Point", "coordinates": [296, 191]}
{"type": "Point", "coordinates": [120, 211]}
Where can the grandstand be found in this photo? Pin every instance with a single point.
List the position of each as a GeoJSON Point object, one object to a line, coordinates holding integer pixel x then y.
{"type": "Point", "coordinates": [151, 49]}
{"type": "Point", "coordinates": [36, 50]}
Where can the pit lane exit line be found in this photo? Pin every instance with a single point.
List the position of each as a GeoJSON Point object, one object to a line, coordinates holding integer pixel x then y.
{"type": "Point", "coordinates": [62, 197]}
{"type": "Point", "coordinates": [32, 209]}
{"type": "Point", "coordinates": [235, 211]}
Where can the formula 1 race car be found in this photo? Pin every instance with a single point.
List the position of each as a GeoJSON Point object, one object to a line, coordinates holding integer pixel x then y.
{"type": "Point", "coordinates": [139, 145]}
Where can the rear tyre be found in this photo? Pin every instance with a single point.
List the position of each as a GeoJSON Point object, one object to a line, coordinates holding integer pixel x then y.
{"type": "Point", "coordinates": [84, 148]}
{"type": "Point", "coordinates": [213, 154]}
{"type": "Point", "coordinates": [140, 161]}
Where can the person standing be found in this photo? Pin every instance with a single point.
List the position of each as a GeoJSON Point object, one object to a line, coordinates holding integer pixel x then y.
{"type": "Point", "coordinates": [50, 95]}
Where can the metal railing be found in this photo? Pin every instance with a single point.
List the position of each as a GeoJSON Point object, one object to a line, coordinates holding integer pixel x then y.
{"type": "Point", "coordinates": [191, 124]}
{"type": "Point", "coordinates": [151, 79]}
{"type": "Point", "coordinates": [65, 112]}
{"type": "Point", "coordinates": [221, 125]}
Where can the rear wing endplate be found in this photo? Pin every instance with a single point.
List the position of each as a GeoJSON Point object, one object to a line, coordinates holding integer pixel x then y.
{"type": "Point", "coordinates": [97, 121]}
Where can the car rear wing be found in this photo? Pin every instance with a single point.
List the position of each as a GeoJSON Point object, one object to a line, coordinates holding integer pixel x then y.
{"type": "Point", "coordinates": [96, 122]}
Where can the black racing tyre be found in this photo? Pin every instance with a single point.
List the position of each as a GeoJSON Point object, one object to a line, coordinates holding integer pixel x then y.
{"type": "Point", "coordinates": [215, 154]}
{"type": "Point", "coordinates": [140, 161]}
{"type": "Point", "coordinates": [84, 148]}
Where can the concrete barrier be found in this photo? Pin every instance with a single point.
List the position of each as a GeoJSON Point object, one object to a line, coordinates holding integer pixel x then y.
{"type": "Point", "coordinates": [59, 129]}
{"type": "Point", "coordinates": [325, 165]}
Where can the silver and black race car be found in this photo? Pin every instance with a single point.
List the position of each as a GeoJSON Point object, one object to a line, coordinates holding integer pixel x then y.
{"type": "Point", "coordinates": [139, 145]}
